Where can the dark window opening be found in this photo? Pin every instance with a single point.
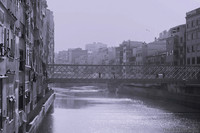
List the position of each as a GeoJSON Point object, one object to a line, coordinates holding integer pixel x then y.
{"type": "Point", "coordinates": [192, 23]}
{"type": "Point", "coordinates": [7, 39]}
{"type": "Point", "coordinates": [181, 62]}
{"type": "Point", "coordinates": [178, 29]}
{"type": "Point", "coordinates": [27, 97]}
{"type": "Point", "coordinates": [193, 60]}
{"type": "Point", "coordinates": [12, 48]}
{"type": "Point", "coordinates": [189, 49]}
{"type": "Point", "coordinates": [198, 60]}
{"type": "Point", "coordinates": [10, 107]}
{"type": "Point", "coordinates": [188, 61]}
{"type": "Point", "coordinates": [21, 98]}
{"type": "Point", "coordinates": [192, 36]}
{"type": "Point", "coordinates": [193, 50]}
{"type": "Point", "coordinates": [21, 64]}
{"type": "Point", "coordinates": [1, 49]}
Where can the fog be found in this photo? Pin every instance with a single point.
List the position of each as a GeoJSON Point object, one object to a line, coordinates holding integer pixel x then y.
{"type": "Point", "coordinates": [78, 22]}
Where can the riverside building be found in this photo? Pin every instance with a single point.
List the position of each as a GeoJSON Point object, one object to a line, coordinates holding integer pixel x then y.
{"type": "Point", "coordinates": [23, 62]}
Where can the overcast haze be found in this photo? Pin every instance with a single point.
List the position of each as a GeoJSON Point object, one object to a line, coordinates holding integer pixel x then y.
{"type": "Point", "coordinates": [78, 22]}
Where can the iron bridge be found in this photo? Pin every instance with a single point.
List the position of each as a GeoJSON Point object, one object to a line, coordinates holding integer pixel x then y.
{"type": "Point", "coordinates": [65, 73]}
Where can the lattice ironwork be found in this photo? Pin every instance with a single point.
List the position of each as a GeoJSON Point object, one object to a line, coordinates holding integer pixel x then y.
{"type": "Point", "coordinates": [124, 72]}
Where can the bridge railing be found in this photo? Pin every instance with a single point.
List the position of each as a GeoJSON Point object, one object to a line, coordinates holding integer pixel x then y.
{"type": "Point", "coordinates": [142, 72]}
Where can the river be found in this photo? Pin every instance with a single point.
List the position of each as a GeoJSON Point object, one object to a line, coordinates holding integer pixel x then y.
{"type": "Point", "coordinates": [90, 109]}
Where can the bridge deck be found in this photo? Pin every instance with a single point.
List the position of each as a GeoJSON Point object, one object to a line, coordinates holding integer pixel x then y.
{"type": "Point", "coordinates": [63, 73]}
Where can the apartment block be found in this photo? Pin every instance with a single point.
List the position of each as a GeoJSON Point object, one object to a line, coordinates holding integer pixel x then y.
{"type": "Point", "coordinates": [24, 55]}
{"type": "Point", "coordinates": [126, 52]}
{"type": "Point", "coordinates": [176, 46]}
{"type": "Point", "coordinates": [193, 37]}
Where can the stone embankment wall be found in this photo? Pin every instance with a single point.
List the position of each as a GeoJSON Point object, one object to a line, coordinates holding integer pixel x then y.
{"type": "Point", "coordinates": [188, 95]}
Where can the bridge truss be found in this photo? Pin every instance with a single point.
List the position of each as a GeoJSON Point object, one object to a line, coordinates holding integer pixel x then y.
{"type": "Point", "coordinates": [63, 73]}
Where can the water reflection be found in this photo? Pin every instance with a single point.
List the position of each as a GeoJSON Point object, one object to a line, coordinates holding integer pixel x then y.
{"type": "Point", "coordinates": [93, 110]}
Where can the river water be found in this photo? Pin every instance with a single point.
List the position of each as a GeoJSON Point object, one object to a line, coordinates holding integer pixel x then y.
{"type": "Point", "coordinates": [89, 109]}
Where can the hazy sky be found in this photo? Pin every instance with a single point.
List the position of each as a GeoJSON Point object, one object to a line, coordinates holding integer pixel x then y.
{"type": "Point", "coordinates": [78, 22]}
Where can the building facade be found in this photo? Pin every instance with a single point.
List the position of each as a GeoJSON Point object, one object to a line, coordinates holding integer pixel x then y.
{"type": "Point", "coordinates": [94, 47]}
{"type": "Point", "coordinates": [24, 55]}
{"type": "Point", "coordinates": [126, 52]}
{"type": "Point", "coordinates": [176, 46]}
{"type": "Point", "coordinates": [62, 57]}
{"type": "Point", "coordinates": [77, 56]}
{"type": "Point", "coordinates": [193, 37]}
{"type": "Point", "coordinates": [154, 53]}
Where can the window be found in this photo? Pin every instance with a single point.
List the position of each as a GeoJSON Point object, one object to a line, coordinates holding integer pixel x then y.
{"type": "Point", "coordinates": [198, 47]}
{"type": "Point", "coordinates": [1, 17]}
{"type": "Point", "coordinates": [189, 36]}
{"type": "Point", "coordinates": [192, 36]}
{"type": "Point", "coordinates": [198, 60]}
{"type": "Point", "coordinates": [193, 60]}
{"type": "Point", "coordinates": [21, 64]}
{"type": "Point", "coordinates": [188, 61]}
{"type": "Point", "coordinates": [198, 21]}
{"type": "Point", "coordinates": [188, 25]}
{"type": "Point", "coordinates": [12, 48]}
{"type": "Point", "coordinates": [7, 39]}
{"type": "Point", "coordinates": [193, 50]}
{"type": "Point", "coordinates": [181, 62]}
{"type": "Point", "coordinates": [192, 23]}
{"type": "Point", "coordinates": [27, 97]}
{"type": "Point", "coordinates": [21, 97]}
{"type": "Point", "coordinates": [10, 107]}
{"type": "Point", "coordinates": [1, 34]}
{"type": "Point", "coordinates": [178, 29]}
{"type": "Point", "coordinates": [27, 56]}
{"type": "Point", "coordinates": [198, 34]}
{"type": "Point", "coordinates": [1, 42]}
{"type": "Point", "coordinates": [188, 49]}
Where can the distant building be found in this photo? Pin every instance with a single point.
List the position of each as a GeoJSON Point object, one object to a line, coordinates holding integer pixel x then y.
{"type": "Point", "coordinates": [125, 52]}
{"type": "Point", "coordinates": [98, 53]}
{"type": "Point", "coordinates": [62, 57]}
{"type": "Point", "coordinates": [193, 37]}
{"type": "Point", "coordinates": [111, 55]}
{"type": "Point", "coordinates": [77, 55]}
{"type": "Point", "coordinates": [151, 53]}
{"type": "Point", "coordinates": [139, 56]}
{"type": "Point", "coordinates": [176, 46]}
{"type": "Point", "coordinates": [81, 59]}
{"type": "Point", "coordinates": [163, 35]}
{"type": "Point", "coordinates": [156, 58]}
{"type": "Point", "coordinates": [94, 47]}
{"type": "Point", "coordinates": [119, 54]}
{"type": "Point", "coordinates": [100, 57]}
